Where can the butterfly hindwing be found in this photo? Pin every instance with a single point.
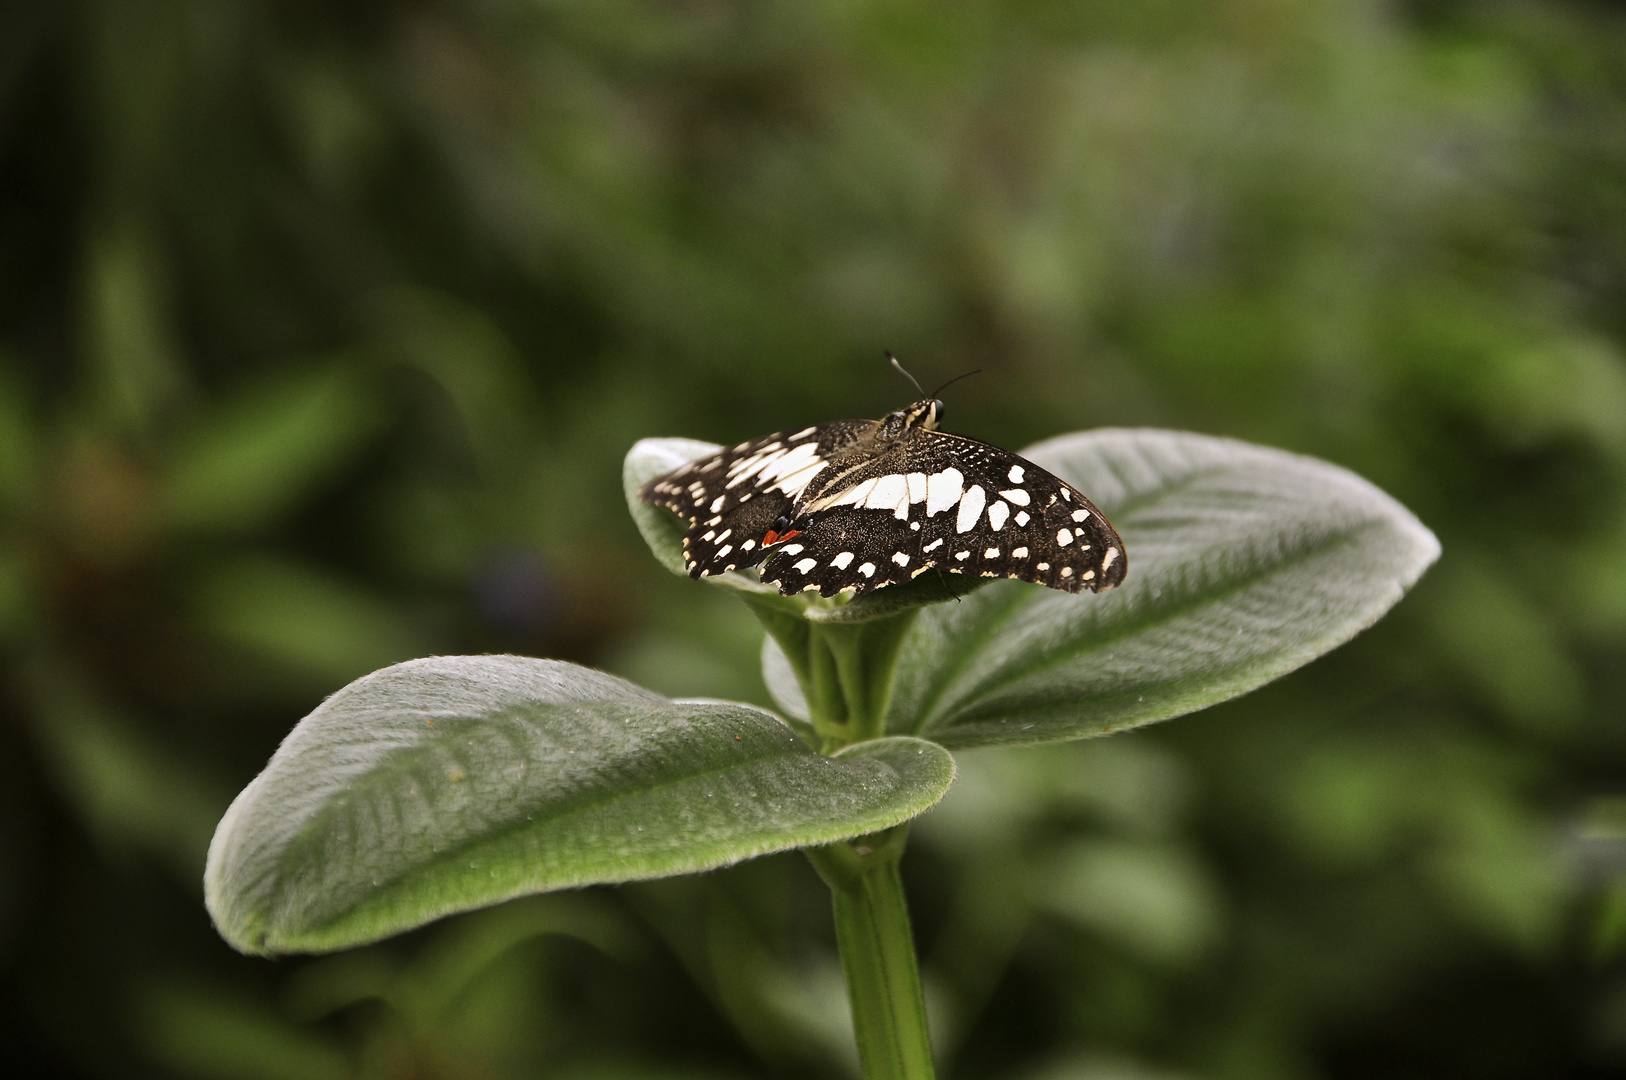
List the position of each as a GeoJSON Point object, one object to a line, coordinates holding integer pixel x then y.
{"type": "Point", "coordinates": [733, 498]}
{"type": "Point", "coordinates": [843, 548]}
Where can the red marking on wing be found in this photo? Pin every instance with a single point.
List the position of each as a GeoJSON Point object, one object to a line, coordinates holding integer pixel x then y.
{"type": "Point", "coordinates": [772, 537]}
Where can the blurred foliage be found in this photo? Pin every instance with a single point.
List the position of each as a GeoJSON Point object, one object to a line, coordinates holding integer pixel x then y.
{"type": "Point", "coordinates": [323, 329]}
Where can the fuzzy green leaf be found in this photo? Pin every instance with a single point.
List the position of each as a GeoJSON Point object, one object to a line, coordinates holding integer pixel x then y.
{"type": "Point", "coordinates": [662, 530]}
{"type": "Point", "coordinates": [1244, 563]}
{"type": "Point", "coordinates": [780, 676]}
{"type": "Point", "coordinates": [451, 783]}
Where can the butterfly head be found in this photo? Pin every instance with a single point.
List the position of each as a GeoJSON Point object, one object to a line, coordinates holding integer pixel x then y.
{"type": "Point", "coordinates": [925, 415]}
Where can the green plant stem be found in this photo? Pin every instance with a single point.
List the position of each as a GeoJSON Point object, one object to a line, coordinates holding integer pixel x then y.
{"type": "Point", "coordinates": [846, 669]}
{"type": "Point", "coordinates": [846, 672]}
{"type": "Point", "coordinates": [878, 954]}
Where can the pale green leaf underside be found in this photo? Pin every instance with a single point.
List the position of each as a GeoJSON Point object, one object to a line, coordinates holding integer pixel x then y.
{"type": "Point", "coordinates": [780, 677]}
{"type": "Point", "coordinates": [662, 531]}
{"type": "Point", "coordinates": [451, 783]}
{"type": "Point", "coordinates": [1244, 563]}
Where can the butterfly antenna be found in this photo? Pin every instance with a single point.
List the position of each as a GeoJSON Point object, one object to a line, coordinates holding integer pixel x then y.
{"type": "Point", "coordinates": [951, 382]}
{"type": "Point", "coordinates": [904, 373]}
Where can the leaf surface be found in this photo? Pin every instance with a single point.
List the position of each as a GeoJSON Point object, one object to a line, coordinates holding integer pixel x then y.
{"type": "Point", "coordinates": [452, 783]}
{"type": "Point", "coordinates": [1244, 563]}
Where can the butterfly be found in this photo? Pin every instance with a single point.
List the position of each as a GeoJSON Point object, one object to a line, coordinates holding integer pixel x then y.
{"type": "Point", "coordinates": [855, 505]}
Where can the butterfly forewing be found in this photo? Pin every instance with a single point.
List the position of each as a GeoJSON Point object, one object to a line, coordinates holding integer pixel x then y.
{"type": "Point", "coordinates": [949, 503]}
{"type": "Point", "coordinates": [859, 504]}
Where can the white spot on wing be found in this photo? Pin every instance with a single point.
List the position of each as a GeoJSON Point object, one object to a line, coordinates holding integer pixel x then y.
{"type": "Point", "coordinates": [761, 454]}
{"type": "Point", "coordinates": [997, 513]}
{"type": "Point", "coordinates": [1067, 571]}
{"type": "Point", "coordinates": [748, 545]}
{"type": "Point", "coordinates": [1022, 517]}
{"type": "Point", "coordinates": [840, 561]}
{"type": "Point", "coordinates": [934, 545]}
{"type": "Point", "coordinates": [961, 556]}
{"type": "Point", "coordinates": [1016, 475]}
{"type": "Point", "coordinates": [891, 493]}
{"type": "Point", "coordinates": [804, 433]}
{"type": "Point", "coordinates": [991, 553]}
{"type": "Point", "coordinates": [901, 559]}
{"type": "Point", "coordinates": [1088, 575]}
{"type": "Point", "coordinates": [723, 551]}
{"type": "Point", "coordinates": [971, 505]}
{"type": "Point", "coordinates": [1064, 537]}
{"type": "Point", "coordinates": [943, 490]}
{"type": "Point", "coordinates": [916, 482]}
{"type": "Point", "coordinates": [745, 468]}
{"type": "Point", "coordinates": [717, 503]}
{"type": "Point", "coordinates": [1042, 566]}
{"type": "Point", "coordinates": [1016, 495]}
{"type": "Point", "coordinates": [867, 569]}
{"type": "Point", "coordinates": [790, 471]}
{"type": "Point", "coordinates": [805, 565]}
{"type": "Point", "coordinates": [1019, 553]}
{"type": "Point", "coordinates": [793, 484]}
{"type": "Point", "coordinates": [853, 496]}
{"type": "Point", "coordinates": [792, 549]}
{"type": "Point", "coordinates": [1108, 559]}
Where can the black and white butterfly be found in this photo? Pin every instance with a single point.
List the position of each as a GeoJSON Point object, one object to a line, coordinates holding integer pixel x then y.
{"type": "Point", "coordinates": [854, 505]}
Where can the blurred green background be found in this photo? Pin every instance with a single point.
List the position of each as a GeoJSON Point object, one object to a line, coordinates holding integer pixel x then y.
{"type": "Point", "coordinates": [323, 330]}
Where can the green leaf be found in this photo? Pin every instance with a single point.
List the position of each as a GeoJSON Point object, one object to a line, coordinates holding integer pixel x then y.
{"type": "Point", "coordinates": [451, 783]}
{"type": "Point", "coordinates": [1244, 563]}
{"type": "Point", "coordinates": [783, 686]}
{"type": "Point", "coordinates": [258, 455]}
